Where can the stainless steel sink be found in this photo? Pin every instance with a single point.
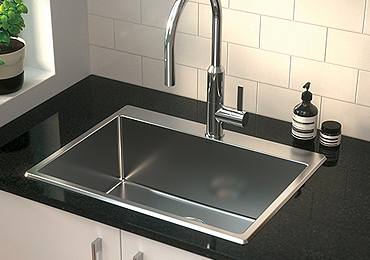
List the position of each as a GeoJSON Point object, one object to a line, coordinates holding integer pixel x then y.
{"type": "Point", "coordinates": [164, 167]}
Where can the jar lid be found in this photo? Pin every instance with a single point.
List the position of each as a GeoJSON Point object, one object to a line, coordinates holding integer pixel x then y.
{"type": "Point", "coordinates": [331, 127]}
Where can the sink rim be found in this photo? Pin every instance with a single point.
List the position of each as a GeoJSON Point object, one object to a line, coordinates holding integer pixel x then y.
{"type": "Point", "coordinates": [312, 160]}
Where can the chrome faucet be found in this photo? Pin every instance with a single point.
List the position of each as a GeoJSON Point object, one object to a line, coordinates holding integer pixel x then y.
{"type": "Point", "coordinates": [217, 113]}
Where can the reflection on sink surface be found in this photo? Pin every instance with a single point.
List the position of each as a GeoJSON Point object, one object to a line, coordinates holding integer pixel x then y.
{"type": "Point", "coordinates": [164, 167]}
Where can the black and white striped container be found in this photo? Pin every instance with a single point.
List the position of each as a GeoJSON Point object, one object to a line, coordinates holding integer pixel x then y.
{"type": "Point", "coordinates": [331, 133]}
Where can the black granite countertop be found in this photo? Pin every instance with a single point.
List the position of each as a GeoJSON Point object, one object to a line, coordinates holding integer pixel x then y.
{"type": "Point", "coordinates": [328, 219]}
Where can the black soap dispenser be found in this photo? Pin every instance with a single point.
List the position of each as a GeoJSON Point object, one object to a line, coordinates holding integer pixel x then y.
{"type": "Point", "coordinates": [304, 118]}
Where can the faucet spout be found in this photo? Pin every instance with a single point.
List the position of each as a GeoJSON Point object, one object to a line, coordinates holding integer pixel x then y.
{"type": "Point", "coordinates": [169, 42]}
{"type": "Point", "coordinates": [216, 112]}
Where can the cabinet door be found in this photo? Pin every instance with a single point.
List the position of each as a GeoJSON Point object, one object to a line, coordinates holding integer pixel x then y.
{"type": "Point", "coordinates": [33, 231]}
{"type": "Point", "coordinates": [152, 250]}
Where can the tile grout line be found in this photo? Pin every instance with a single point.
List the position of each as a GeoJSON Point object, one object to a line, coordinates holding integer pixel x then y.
{"type": "Point", "coordinates": [141, 13]}
{"type": "Point", "coordinates": [321, 112]}
{"type": "Point", "coordinates": [357, 86]}
{"type": "Point", "coordinates": [364, 18]}
{"type": "Point", "coordinates": [290, 73]}
{"type": "Point", "coordinates": [326, 45]}
{"type": "Point", "coordinates": [257, 97]}
{"type": "Point", "coordinates": [260, 33]}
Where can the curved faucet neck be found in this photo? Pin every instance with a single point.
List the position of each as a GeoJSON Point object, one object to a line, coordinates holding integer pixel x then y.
{"type": "Point", "coordinates": [169, 42]}
{"type": "Point", "coordinates": [216, 32]}
{"type": "Point", "coordinates": [170, 38]}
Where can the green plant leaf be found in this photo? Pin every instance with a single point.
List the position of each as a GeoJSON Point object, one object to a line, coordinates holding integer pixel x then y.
{"type": "Point", "coordinates": [23, 9]}
{"type": "Point", "coordinates": [12, 6]}
{"type": "Point", "coordinates": [5, 26]}
{"type": "Point", "coordinates": [11, 14]}
{"type": "Point", "coordinates": [4, 19]}
{"type": "Point", "coordinates": [4, 37]}
{"type": "Point", "coordinates": [14, 30]}
{"type": "Point", "coordinates": [16, 20]}
{"type": "Point", "coordinates": [6, 4]}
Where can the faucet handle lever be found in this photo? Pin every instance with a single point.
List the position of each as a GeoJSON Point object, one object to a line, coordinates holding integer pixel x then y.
{"type": "Point", "coordinates": [233, 116]}
{"type": "Point", "coordinates": [239, 104]}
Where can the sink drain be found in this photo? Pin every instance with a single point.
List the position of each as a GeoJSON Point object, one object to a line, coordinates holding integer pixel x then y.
{"type": "Point", "coordinates": [196, 219]}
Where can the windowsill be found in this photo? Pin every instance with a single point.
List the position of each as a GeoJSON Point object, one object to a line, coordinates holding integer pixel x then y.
{"type": "Point", "coordinates": [32, 78]}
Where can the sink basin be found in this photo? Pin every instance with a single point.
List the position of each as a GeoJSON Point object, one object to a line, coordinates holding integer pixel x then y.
{"type": "Point", "coordinates": [164, 167]}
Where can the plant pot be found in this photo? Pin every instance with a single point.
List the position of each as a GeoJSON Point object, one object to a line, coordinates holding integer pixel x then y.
{"type": "Point", "coordinates": [12, 70]}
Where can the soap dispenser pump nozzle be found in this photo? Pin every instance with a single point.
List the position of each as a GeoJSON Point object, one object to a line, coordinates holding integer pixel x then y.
{"type": "Point", "coordinates": [307, 86]}
{"type": "Point", "coordinates": [307, 95]}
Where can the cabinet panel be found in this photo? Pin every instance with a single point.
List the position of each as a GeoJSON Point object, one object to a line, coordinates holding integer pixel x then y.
{"type": "Point", "coordinates": [131, 244]}
{"type": "Point", "coordinates": [33, 231]}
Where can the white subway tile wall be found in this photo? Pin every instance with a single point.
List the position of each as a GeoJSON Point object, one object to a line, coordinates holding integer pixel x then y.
{"type": "Point", "coordinates": [101, 31]}
{"type": "Point", "coordinates": [363, 93]}
{"type": "Point", "coordinates": [271, 47]}
{"type": "Point", "coordinates": [293, 38]}
{"type": "Point", "coordinates": [116, 65]}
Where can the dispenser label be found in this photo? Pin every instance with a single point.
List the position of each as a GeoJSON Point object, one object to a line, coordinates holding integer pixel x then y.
{"type": "Point", "coordinates": [304, 128]}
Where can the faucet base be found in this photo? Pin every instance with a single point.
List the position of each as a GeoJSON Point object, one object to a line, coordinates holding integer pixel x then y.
{"type": "Point", "coordinates": [215, 89]}
{"type": "Point", "coordinates": [216, 137]}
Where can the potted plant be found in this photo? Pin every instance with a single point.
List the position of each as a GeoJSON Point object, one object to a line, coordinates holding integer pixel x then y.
{"type": "Point", "coordinates": [12, 49]}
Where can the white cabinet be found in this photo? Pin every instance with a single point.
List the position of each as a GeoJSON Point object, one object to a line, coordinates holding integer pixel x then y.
{"type": "Point", "coordinates": [131, 244]}
{"type": "Point", "coordinates": [33, 231]}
